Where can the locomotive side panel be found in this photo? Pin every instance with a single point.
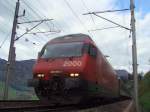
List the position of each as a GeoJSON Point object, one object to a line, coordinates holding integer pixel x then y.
{"type": "Point", "coordinates": [109, 78]}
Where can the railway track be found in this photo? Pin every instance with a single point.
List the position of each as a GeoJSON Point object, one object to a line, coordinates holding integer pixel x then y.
{"type": "Point", "coordinates": [38, 106]}
{"type": "Point", "coordinates": [29, 106]}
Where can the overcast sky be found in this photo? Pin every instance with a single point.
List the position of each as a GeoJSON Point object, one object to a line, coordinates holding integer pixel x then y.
{"type": "Point", "coordinates": [68, 19]}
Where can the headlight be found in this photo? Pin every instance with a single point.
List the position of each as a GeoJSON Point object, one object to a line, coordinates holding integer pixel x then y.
{"type": "Point", "coordinates": [40, 75]}
{"type": "Point", "coordinates": [74, 74]}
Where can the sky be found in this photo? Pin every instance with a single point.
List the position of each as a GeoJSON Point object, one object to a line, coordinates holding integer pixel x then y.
{"type": "Point", "coordinates": [68, 18]}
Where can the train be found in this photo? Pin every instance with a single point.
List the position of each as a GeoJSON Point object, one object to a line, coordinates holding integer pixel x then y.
{"type": "Point", "coordinates": [71, 69]}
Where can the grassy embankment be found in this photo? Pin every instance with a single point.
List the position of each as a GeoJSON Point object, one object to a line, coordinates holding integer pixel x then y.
{"type": "Point", "coordinates": [17, 95]}
{"type": "Point", "coordinates": [144, 93]}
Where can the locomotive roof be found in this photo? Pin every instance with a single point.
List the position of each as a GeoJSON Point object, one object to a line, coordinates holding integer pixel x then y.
{"type": "Point", "coordinates": [71, 37]}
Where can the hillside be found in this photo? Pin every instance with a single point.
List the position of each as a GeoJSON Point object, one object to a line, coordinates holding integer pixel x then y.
{"type": "Point", "coordinates": [18, 89]}
{"type": "Point", "coordinates": [23, 72]}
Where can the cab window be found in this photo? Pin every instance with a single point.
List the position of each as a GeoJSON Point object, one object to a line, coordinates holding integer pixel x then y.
{"type": "Point", "coordinates": [90, 49]}
{"type": "Point", "coordinates": [93, 51]}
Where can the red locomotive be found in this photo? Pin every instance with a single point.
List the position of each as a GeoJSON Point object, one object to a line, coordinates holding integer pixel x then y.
{"type": "Point", "coordinates": [70, 68]}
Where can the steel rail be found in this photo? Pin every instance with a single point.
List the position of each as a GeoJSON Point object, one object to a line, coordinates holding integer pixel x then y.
{"type": "Point", "coordinates": [38, 106]}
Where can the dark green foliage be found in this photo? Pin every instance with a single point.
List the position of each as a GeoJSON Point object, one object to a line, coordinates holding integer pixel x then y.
{"type": "Point", "coordinates": [144, 92]}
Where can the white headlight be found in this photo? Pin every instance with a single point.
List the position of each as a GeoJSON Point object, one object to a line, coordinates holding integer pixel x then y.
{"type": "Point", "coordinates": [72, 74]}
{"type": "Point", "coordinates": [40, 75]}
{"type": "Point", "coordinates": [76, 74]}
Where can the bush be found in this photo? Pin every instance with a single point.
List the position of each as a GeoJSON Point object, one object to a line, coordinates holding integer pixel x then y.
{"type": "Point", "coordinates": [144, 92]}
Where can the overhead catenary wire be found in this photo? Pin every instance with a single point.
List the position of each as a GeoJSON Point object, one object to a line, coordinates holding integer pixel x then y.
{"type": "Point", "coordinates": [57, 25]}
{"type": "Point", "coordinates": [112, 22]}
{"type": "Point", "coordinates": [74, 13]}
{"type": "Point", "coordinates": [107, 11]}
{"type": "Point", "coordinates": [35, 12]}
{"type": "Point", "coordinates": [88, 11]}
{"type": "Point", "coordinates": [3, 42]}
{"type": "Point", "coordinates": [38, 35]}
{"type": "Point", "coordinates": [28, 30]}
{"type": "Point", "coordinates": [32, 24]}
{"type": "Point", "coordinates": [95, 13]}
{"type": "Point", "coordinates": [34, 21]}
{"type": "Point", "coordinates": [39, 21]}
{"type": "Point", "coordinates": [25, 18]}
{"type": "Point", "coordinates": [4, 24]}
{"type": "Point", "coordinates": [39, 15]}
{"type": "Point", "coordinates": [43, 32]}
{"type": "Point", "coordinates": [105, 28]}
{"type": "Point", "coordinates": [7, 6]}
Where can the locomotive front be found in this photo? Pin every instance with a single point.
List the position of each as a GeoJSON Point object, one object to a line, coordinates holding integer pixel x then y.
{"type": "Point", "coordinates": [58, 70]}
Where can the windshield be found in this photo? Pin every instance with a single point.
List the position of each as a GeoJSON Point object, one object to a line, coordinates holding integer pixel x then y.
{"type": "Point", "coordinates": [62, 50]}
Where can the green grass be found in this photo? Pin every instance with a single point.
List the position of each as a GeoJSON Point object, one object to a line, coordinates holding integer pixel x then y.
{"type": "Point", "coordinates": [144, 93]}
{"type": "Point", "coordinates": [17, 95]}
{"type": "Point", "coordinates": [1, 89]}
{"type": "Point", "coordinates": [145, 101]}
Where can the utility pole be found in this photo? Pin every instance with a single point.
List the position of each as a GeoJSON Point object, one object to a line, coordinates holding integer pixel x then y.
{"type": "Point", "coordinates": [134, 56]}
{"type": "Point", "coordinates": [11, 57]}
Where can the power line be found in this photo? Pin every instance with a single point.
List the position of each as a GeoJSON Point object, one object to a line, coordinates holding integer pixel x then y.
{"type": "Point", "coordinates": [4, 25]}
{"type": "Point", "coordinates": [57, 25]}
{"type": "Point", "coordinates": [106, 11]}
{"type": "Point", "coordinates": [7, 7]}
{"type": "Point", "coordinates": [1, 45]}
{"type": "Point", "coordinates": [88, 11]}
{"type": "Point", "coordinates": [39, 22]}
{"type": "Point", "coordinates": [33, 24]}
{"type": "Point", "coordinates": [74, 13]}
{"type": "Point", "coordinates": [95, 13]}
{"type": "Point", "coordinates": [28, 30]}
{"type": "Point", "coordinates": [111, 21]}
{"type": "Point", "coordinates": [35, 21]}
{"type": "Point", "coordinates": [42, 34]}
{"type": "Point", "coordinates": [38, 15]}
{"type": "Point", "coordinates": [105, 28]}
